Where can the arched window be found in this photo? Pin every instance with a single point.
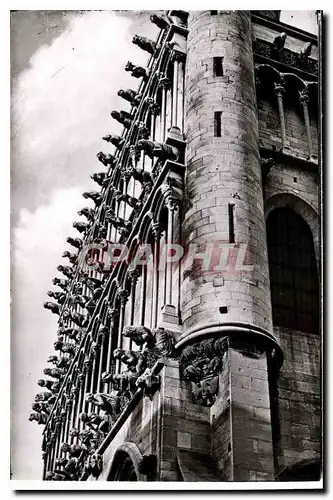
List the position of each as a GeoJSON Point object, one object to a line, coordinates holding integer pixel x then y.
{"type": "Point", "coordinates": [122, 468]}
{"type": "Point", "coordinates": [293, 271]}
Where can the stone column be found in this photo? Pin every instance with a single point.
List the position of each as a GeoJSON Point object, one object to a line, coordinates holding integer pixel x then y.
{"type": "Point", "coordinates": [304, 100]}
{"type": "Point", "coordinates": [279, 91]}
{"type": "Point", "coordinates": [227, 293]}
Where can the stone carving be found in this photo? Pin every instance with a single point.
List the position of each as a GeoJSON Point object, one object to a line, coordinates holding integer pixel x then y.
{"type": "Point", "coordinates": [136, 361]}
{"type": "Point", "coordinates": [92, 283]}
{"type": "Point", "coordinates": [144, 177]}
{"type": "Point", "coordinates": [59, 345]}
{"type": "Point", "coordinates": [131, 96]}
{"type": "Point", "coordinates": [161, 21]}
{"type": "Point", "coordinates": [96, 422]}
{"type": "Point", "coordinates": [140, 335]}
{"type": "Point", "coordinates": [143, 131]}
{"type": "Point", "coordinates": [41, 406]}
{"type": "Point", "coordinates": [101, 230]}
{"type": "Point", "coordinates": [144, 44]}
{"type": "Point", "coordinates": [130, 200]}
{"type": "Point", "coordinates": [40, 418]}
{"type": "Point", "coordinates": [161, 341]}
{"type": "Point", "coordinates": [80, 299]}
{"type": "Point", "coordinates": [45, 396]}
{"type": "Point", "coordinates": [61, 283]}
{"type": "Point", "coordinates": [90, 438]}
{"type": "Point", "coordinates": [122, 117]}
{"type": "Point", "coordinates": [49, 384]}
{"type": "Point", "coordinates": [148, 466]}
{"type": "Point", "coordinates": [72, 257]}
{"type": "Point", "coordinates": [305, 51]}
{"type": "Point", "coordinates": [94, 465]}
{"type": "Point", "coordinates": [66, 271]}
{"type": "Point", "coordinates": [159, 150]}
{"type": "Point", "coordinates": [116, 140]}
{"type": "Point", "coordinates": [75, 242]}
{"type": "Point", "coordinates": [99, 178]}
{"type": "Point", "coordinates": [79, 319]}
{"type": "Point", "coordinates": [59, 362]}
{"type": "Point", "coordinates": [286, 56]}
{"type": "Point", "coordinates": [179, 17]}
{"type": "Point", "coordinates": [89, 213]}
{"type": "Point", "coordinates": [74, 450]}
{"type": "Point", "coordinates": [93, 195]}
{"type": "Point", "coordinates": [148, 382]}
{"type": "Point", "coordinates": [152, 105]}
{"type": "Point", "coordinates": [137, 71]}
{"type": "Point", "coordinates": [124, 384]}
{"type": "Point", "coordinates": [59, 296]}
{"type": "Point", "coordinates": [57, 373]}
{"type": "Point", "coordinates": [106, 160]}
{"type": "Point", "coordinates": [70, 467]}
{"type": "Point", "coordinates": [201, 363]}
{"type": "Point", "coordinates": [109, 403]}
{"type": "Point", "coordinates": [81, 226]}
{"type": "Point", "coordinates": [122, 225]}
{"type": "Point", "coordinates": [54, 308]}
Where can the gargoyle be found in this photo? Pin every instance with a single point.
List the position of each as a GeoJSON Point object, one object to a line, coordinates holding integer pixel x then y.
{"type": "Point", "coordinates": [81, 226]}
{"type": "Point", "coordinates": [45, 396]}
{"type": "Point", "coordinates": [101, 231]}
{"type": "Point", "coordinates": [98, 177]}
{"type": "Point", "coordinates": [94, 465]}
{"type": "Point", "coordinates": [92, 283]}
{"type": "Point", "coordinates": [89, 213]}
{"type": "Point", "coordinates": [161, 21]}
{"type": "Point", "coordinates": [132, 202]}
{"type": "Point", "coordinates": [64, 347]}
{"type": "Point", "coordinates": [80, 299]}
{"type": "Point", "coordinates": [148, 382]}
{"type": "Point", "coordinates": [41, 406]}
{"type": "Point", "coordinates": [122, 117]}
{"type": "Point", "coordinates": [66, 271]}
{"type": "Point", "coordinates": [72, 257]}
{"type": "Point", "coordinates": [205, 391]}
{"type": "Point", "coordinates": [61, 283]}
{"type": "Point", "coordinates": [106, 160]}
{"type": "Point", "coordinates": [70, 467]}
{"type": "Point", "coordinates": [59, 296]}
{"type": "Point", "coordinates": [116, 140]}
{"type": "Point", "coordinates": [140, 335]}
{"type": "Point", "coordinates": [158, 149]}
{"type": "Point", "coordinates": [49, 384]}
{"type": "Point", "coordinates": [135, 360]}
{"type": "Point", "coordinates": [165, 342]}
{"type": "Point", "coordinates": [79, 319]}
{"type": "Point", "coordinates": [94, 196]}
{"type": "Point", "coordinates": [305, 53]}
{"type": "Point", "coordinates": [57, 373]}
{"type": "Point", "coordinates": [137, 71]}
{"type": "Point", "coordinates": [117, 222]}
{"type": "Point", "coordinates": [60, 362]}
{"type": "Point", "coordinates": [96, 422]}
{"type": "Point", "coordinates": [131, 96]}
{"type": "Point", "coordinates": [40, 418]}
{"type": "Point", "coordinates": [54, 308]}
{"type": "Point", "coordinates": [74, 450]}
{"type": "Point", "coordinates": [109, 403]}
{"type": "Point", "coordinates": [144, 44]}
{"type": "Point", "coordinates": [75, 242]}
{"type": "Point", "coordinates": [142, 176]}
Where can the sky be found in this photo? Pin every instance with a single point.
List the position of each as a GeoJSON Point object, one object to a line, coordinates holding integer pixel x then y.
{"type": "Point", "coordinates": [66, 69]}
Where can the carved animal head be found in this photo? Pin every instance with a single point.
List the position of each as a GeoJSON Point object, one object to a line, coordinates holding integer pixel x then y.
{"type": "Point", "coordinates": [52, 359]}
{"type": "Point", "coordinates": [129, 66]}
{"type": "Point", "coordinates": [47, 371]}
{"type": "Point", "coordinates": [41, 382]}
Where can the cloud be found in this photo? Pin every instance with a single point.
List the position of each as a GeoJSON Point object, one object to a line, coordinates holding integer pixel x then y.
{"type": "Point", "coordinates": [60, 109]}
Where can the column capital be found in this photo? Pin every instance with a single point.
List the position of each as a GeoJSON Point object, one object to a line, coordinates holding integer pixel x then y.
{"type": "Point", "coordinates": [279, 89]}
{"type": "Point", "coordinates": [304, 96]}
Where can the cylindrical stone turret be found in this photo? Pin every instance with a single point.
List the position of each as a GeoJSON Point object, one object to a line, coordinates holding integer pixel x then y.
{"type": "Point", "coordinates": [224, 199]}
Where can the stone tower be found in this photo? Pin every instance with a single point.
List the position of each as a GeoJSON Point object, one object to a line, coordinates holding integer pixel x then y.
{"type": "Point", "coordinates": [188, 345]}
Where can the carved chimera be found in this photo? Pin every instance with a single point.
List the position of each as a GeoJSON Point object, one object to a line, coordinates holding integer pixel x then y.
{"type": "Point", "coordinates": [201, 364]}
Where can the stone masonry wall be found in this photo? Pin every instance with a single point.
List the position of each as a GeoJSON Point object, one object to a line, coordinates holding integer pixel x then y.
{"type": "Point", "coordinates": [223, 170]}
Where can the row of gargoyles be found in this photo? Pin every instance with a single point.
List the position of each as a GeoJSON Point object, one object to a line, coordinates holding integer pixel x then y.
{"type": "Point", "coordinates": [71, 468]}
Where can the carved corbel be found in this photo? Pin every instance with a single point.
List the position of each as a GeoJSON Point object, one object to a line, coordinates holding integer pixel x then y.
{"type": "Point", "coordinates": [201, 364]}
